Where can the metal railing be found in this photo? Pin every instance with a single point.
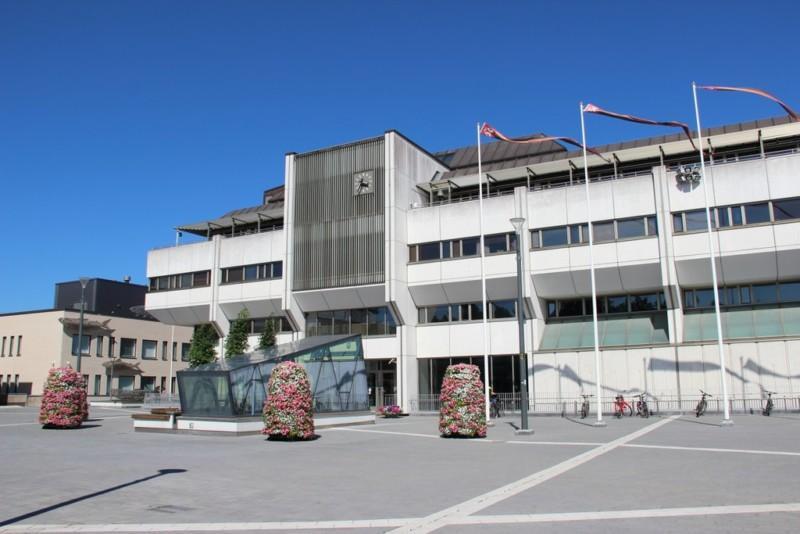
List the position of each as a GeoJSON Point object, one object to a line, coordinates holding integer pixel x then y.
{"type": "Point", "coordinates": [510, 404]}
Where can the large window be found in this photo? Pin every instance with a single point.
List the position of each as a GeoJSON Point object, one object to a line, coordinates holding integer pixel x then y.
{"type": "Point", "coordinates": [464, 247]}
{"type": "Point", "coordinates": [787, 209]}
{"type": "Point", "coordinates": [185, 351]}
{"type": "Point", "coordinates": [279, 324]}
{"type": "Point", "coordinates": [252, 273]}
{"type": "Point", "coordinates": [611, 304]}
{"type": "Point", "coordinates": [127, 348]}
{"type": "Point", "coordinates": [84, 346]}
{"type": "Point", "coordinates": [180, 281]}
{"type": "Point", "coordinates": [743, 295]}
{"type": "Point", "coordinates": [149, 349]}
{"type": "Point", "coordinates": [604, 232]}
{"type": "Point", "coordinates": [469, 311]}
{"type": "Point", "coordinates": [364, 321]}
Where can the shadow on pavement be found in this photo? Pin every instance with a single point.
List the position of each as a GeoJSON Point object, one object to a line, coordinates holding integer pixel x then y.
{"type": "Point", "coordinates": [161, 472]}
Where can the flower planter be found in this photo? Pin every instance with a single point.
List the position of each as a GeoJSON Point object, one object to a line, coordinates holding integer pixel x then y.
{"type": "Point", "coordinates": [64, 403]}
{"type": "Point", "coordinates": [391, 411]}
{"type": "Point", "coordinates": [288, 410]}
{"type": "Point", "coordinates": [463, 413]}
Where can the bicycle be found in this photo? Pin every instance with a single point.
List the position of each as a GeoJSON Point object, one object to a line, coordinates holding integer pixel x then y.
{"type": "Point", "coordinates": [768, 408]}
{"type": "Point", "coordinates": [641, 406]}
{"type": "Point", "coordinates": [585, 405]}
{"type": "Point", "coordinates": [621, 406]}
{"type": "Point", "coordinates": [494, 407]}
{"type": "Point", "coordinates": [702, 404]}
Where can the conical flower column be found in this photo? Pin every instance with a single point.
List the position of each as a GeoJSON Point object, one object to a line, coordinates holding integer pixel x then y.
{"type": "Point", "coordinates": [64, 403]}
{"type": "Point", "coordinates": [463, 413]}
{"type": "Point", "coordinates": [288, 410]}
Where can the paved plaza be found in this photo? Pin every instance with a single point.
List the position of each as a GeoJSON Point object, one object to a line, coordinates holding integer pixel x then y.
{"type": "Point", "coordinates": [664, 474]}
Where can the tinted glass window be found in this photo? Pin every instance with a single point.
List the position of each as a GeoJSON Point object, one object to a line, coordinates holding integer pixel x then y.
{"type": "Point", "coordinates": [618, 304]}
{"type": "Point", "coordinates": [185, 280]}
{"type": "Point", "coordinates": [251, 272]}
{"type": "Point", "coordinates": [627, 228]}
{"type": "Point", "coordinates": [696, 220]}
{"type": "Point", "coordinates": [503, 309]}
{"type": "Point", "coordinates": [765, 294]}
{"type": "Point", "coordinates": [644, 302]}
{"type": "Point", "coordinates": [574, 234]}
{"type": "Point", "coordinates": [756, 213]}
{"type": "Point", "coordinates": [704, 298]}
{"type": "Point", "coordinates": [469, 247]}
{"type": "Point", "coordinates": [495, 243]}
{"type": "Point", "coordinates": [429, 251]}
{"type": "Point", "coordinates": [736, 216]}
{"type": "Point", "coordinates": [445, 249]}
{"type": "Point", "coordinates": [732, 296]}
{"type": "Point", "coordinates": [200, 279]}
{"type": "Point", "coordinates": [790, 292]}
{"type": "Point", "coordinates": [438, 314]}
{"type": "Point", "coordinates": [677, 223]}
{"type": "Point", "coordinates": [476, 311]}
{"type": "Point", "coordinates": [512, 242]}
{"type": "Point", "coordinates": [551, 308]}
{"type": "Point", "coordinates": [722, 217]}
{"type": "Point", "coordinates": [786, 209]}
{"type": "Point", "coordinates": [745, 291]}
{"type": "Point", "coordinates": [235, 274]}
{"type": "Point", "coordinates": [570, 308]}
{"type": "Point", "coordinates": [603, 232]}
{"type": "Point", "coordinates": [652, 226]}
{"type": "Point", "coordinates": [554, 237]}
{"type": "Point", "coordinates": [412, 253]}
{"type": "Point", "coordinates": [277, 269]}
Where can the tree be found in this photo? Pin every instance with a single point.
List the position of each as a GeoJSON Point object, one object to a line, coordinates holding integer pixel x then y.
{"type": "Point", "coordinates": [203, 348]}
{"type": "Point", "coordinates": [267, 338]}
{"type": "Point", "coordinates": [236, 342]}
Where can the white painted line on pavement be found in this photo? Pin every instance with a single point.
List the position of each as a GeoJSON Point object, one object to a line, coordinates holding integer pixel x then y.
{"type": "Point", "coordinates": [40, 424]}
{"type": "Point", "coordinates": [570, 443]}
{"type": "Point", "coordinates": [707, 449]}
{"type": "Point", "coordinates": [627, 514]}
{"type": "Point", "coordinates": [448, 515]}
{"type": "Point", "coordinates": [209, 527]}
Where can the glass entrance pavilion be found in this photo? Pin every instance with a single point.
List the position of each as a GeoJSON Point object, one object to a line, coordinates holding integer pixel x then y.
{"type": "Point", "coordinates": [237, 386]}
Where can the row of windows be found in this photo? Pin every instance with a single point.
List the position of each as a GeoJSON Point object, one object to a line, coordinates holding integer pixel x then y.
{"type": "Point", "coordinates": [604, 231]}
{"type": "Point", "coordinates": [251, 273]}
{"type": "Point", "coordinates": [127, 348]}
{"type": "Point", "coordinates": [460, 248]}
{"type": "Point", "coordinates": [180, 281]}
{"type": "Point", "coordinates": [739, 215]}
{"type": "Point", "coordinates": [279, 324]}
{"type": "Point", "coordinates": [10, 352]}
{"type": "Point", "coordinates": [646, 302]}
{"type": "Point", "coordinates": [471, 311]}
{"type": "Point", "coordinates": [127, 383]}
{"type": "Point", "coordinates": [743, 295]}
{"type": "Point", "coordinates": [365, 321]}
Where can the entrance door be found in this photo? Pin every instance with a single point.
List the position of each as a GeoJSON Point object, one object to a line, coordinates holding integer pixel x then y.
{"type": "Point", "coordinates": [381, 383]}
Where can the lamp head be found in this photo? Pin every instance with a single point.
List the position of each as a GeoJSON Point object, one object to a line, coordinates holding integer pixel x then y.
{"type": "Point", "coordinates": [84, 281]}
{"type": "Point", "coordinates": [517, 222]}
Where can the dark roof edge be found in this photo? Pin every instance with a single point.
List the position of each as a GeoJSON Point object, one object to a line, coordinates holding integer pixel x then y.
{"type": "Point", "coordinates": [335, 147]}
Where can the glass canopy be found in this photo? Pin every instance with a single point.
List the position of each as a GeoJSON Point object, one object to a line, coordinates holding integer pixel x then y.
{"type": "Point", "coordinates": [237, 386]}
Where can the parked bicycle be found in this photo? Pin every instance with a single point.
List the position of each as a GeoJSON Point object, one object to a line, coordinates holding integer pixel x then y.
{"type": "Point", "coordinates": [641, 406]}
{"type": "Point", "coordinates": [622, 407]}
{"type": "Point", "coordinates": [768, 408]}
{"type": "Point", "coordinates": [585, 405]}
{"type": "Point", "coordinates": [702, 404]}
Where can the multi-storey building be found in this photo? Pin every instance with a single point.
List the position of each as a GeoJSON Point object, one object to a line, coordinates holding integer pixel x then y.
{"type": "Point", "coordinates": [382, 238]}
{"type": "Point", "coordinates": [123, 347]}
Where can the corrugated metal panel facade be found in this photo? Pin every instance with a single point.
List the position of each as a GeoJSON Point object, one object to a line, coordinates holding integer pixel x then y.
{"type": "Point", "coordinates": [338, 235]}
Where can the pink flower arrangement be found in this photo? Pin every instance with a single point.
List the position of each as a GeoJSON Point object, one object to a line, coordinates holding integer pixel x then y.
{"type": "Point", "coordinates": [288, 410]}
{"type": "Point", "coordinates": [64, 403]}
{"type": "Point", "coordinates": [391, 410]}
{"type": "Point", "coordinates": [463, 413]}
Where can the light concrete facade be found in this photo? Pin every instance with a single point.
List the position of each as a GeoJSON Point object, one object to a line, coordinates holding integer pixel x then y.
{"type": "Point", "coordinates": [44, 339]}
{"type": "Point", "coordinates": [659, 346]}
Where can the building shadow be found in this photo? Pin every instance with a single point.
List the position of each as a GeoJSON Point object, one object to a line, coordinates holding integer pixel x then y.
{"type": "Point", "coordinates": [161, 473]}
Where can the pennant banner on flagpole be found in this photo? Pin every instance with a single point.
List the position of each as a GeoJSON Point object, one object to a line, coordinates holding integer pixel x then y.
{"type": "Point", "coordinates": [591, 108]}
{"type": "Point", "coordinates": [758, 92]}
{"type": "Point", "coordinates": [489, 131]}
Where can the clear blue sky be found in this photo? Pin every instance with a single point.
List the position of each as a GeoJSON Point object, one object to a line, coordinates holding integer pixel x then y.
{"type": "Point", "coordinates": [120, 120]}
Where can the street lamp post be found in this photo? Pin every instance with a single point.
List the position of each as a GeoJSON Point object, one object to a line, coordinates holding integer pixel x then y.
{"type": "Point", "coordinates": [517, 222]}
{"type": "Point", "coordinates": [84, 281]}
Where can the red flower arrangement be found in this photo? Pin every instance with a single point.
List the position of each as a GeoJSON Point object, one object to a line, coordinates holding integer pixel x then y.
{"type": "Point", "coordinates": [64, 403]}
{"type": "Point", "coordinates": [463, 412]}
{"type": "Point", "coordinates": [391, 411]}
{"type": "Point", "coordinates": [288, 410]}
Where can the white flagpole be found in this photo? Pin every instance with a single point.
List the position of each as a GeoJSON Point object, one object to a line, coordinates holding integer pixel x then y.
{"type": "Point", "coordinates": [483, 286]}
{"type": "Point", "coordinates": [726, 410]}
{"type": "Point", "coordinates": [597, 370]}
